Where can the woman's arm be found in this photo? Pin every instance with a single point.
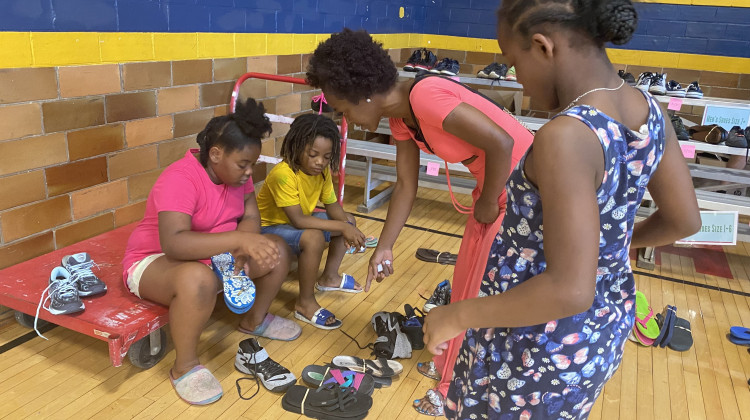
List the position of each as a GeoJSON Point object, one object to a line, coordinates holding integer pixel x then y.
{"type": "Point", "coordinates": [399, 207]}
{"type": "Point", "coordinates": [567, 166]}
{"type": "Point", "coordinates": [671, 188]}
{"type": "Point", "coordinates": [476, 128]}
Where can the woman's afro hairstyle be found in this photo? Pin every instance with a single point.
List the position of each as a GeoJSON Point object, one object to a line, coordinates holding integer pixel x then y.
{"type": "Point", "coordinates": [601, 21]}
{"type": "Point", "coordinates": [246, 126]}
{"type": "Point", "coordinates": [352, 65]}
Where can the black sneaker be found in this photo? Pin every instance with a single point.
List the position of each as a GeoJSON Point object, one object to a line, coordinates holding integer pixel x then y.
{"type": "Point", "coordinates": [679, 128]}
{"type": "Point", "coordinates": [428, 61]}
{"type": "Point", "coordinates": [79, 266]}
{"type": "Point", "coordinates": [411, 63]}
{"type": "Point", "coordinates": [443, 64]}
{"type": "Point", "coordinates": [253, 360]}
{"type": "Point", "coordinates": [499, 71]}
{"type": "Point", "coordinates": [627, 77]}
{"type": "Point", "coordinates": [451, 68]}
{"type": "Point", "coordinates": [63, 294]}
{"type": "Point", "coordinates": [694, 91]}
{"type": "Point", "coordinates": [736, 138]}
{"type": "Point", "coordinates": [644, 81]}
{"type": "Point", "coordinates": [441, 296]}
{"type": "Point", "coordinates": [658, 84]}
{"type": "Point", "coordinates": [675, 90]}
{"type": "Point", "coordinates": [485, 72]}
{"type": "Point", "coordinates": [391, 343]}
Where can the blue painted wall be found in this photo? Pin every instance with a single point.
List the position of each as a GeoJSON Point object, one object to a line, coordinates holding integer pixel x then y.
{"type": "Point", "coordinates": [711, 30]}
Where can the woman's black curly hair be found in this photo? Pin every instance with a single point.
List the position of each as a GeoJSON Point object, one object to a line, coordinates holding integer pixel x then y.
{"type": "Point", "coordinates": [303, 132]}
{"type": "Point", "coordinates": [244, 127]}
{"type": "Point", "coordinates": [352, 65]}
{"type": "Point", "coordinates": [601, 21]}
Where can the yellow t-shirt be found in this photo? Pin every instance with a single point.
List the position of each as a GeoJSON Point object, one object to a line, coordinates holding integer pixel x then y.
{"type": "Point", "coordinates": [284, 188]}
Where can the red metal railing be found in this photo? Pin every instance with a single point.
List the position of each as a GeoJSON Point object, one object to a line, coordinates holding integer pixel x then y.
{"type": "Point", "coordinates": [296, 80]}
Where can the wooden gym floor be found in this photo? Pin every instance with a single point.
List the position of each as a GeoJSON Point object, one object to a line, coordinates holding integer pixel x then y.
{"type": "Point", "coordinates": [70, 375]}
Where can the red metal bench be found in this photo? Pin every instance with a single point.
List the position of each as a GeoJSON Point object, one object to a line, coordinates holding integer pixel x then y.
{"type": "Point", "coordinates": [128, 324]}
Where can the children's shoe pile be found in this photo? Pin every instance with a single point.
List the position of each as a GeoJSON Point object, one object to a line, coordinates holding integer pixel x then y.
{"type": "Point", "coordinates": [660, 330]}
{"type": "Point", "coordinates": [392, 342]}
{"type": "Point", "coordinates": [657, 84]}
{"type": "Point", "coordinates": [67, 283]}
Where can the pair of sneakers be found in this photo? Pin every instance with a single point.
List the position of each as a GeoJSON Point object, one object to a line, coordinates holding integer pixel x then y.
{"type": "Point", "coordinates": [239, 290]}
{"type": "Point", "coordinates": [70, 281]}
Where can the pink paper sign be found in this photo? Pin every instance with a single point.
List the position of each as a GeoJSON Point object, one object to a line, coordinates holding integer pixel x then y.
{"type": "Point", "coordinates": [675, 104]}
{"type": "Point", "coordinates": [688, 150]}
{"type": "Point", "coordinates": [433, 169]}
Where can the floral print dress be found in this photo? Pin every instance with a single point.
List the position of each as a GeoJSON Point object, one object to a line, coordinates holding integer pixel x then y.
{"type": "Point", "coordinates": [557, 370]}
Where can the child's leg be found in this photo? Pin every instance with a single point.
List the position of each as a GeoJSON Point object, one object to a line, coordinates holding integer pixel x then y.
{"type": "Point", "coordinates": [267, 285]}
{"type": "Point", "coordinates": [189, 289]}
{"type": "Point", "coordinates": [311, 244]}
{"type": "Point", "coordinates": [336, 251]}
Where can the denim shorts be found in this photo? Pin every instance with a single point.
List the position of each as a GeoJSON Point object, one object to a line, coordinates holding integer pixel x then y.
{"type": "Point", "coordinates": [292, 235]}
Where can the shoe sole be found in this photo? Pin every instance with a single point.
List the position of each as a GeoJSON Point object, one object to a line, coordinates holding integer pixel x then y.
{"type": "Point", "coordinates": [657, 91]}
{"type": "Point", "coordinates": [449, 73]}
{"type": "Point", "coordinates": [694, 96]}
{"type": "Point", "coordinates": [676, 94]}
{"type": "Point", "coordinates": [95, 292]}
{"type": "Point", "coordinates": [66, 311]}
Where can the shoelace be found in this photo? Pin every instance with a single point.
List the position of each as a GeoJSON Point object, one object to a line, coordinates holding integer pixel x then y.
{"type": "Point", "coordinates": [255, 377]}
{"type": "Point", "coordinates": [65, 289]}
{"type": "Point", "coordinates": [82, 271]}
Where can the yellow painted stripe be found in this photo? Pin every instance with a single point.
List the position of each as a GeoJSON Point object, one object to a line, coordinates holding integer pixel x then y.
{"type": "Point", "coordinates": [49, 49]}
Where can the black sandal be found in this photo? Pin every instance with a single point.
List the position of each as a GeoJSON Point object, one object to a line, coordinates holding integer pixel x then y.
{"type": "Point", "coordinates": [430, 255]}
{"type": "Point", "coordinates": [332, 403]}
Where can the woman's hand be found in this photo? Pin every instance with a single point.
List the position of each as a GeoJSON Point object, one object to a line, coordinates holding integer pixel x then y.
{"type": "Point", "coordinates": [441, 326]}
{"type": "Point", "coordinates": [382, 258]}
{"type": "Point", "coordinates": [257, 248]}
{"type": "Point", "coordinates": [486, 209]}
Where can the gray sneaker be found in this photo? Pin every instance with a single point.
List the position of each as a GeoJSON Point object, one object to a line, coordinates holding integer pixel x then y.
{"type": "Point", "coordinates": [63, 294]}
{"type": "Point", "coordinates": [79, 265]}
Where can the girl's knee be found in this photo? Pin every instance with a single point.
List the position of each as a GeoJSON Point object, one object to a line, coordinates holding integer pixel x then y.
{"type": "Point", "coordinates": [199, 284]}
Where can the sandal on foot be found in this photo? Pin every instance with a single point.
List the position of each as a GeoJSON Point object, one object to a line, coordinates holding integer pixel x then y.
{"type": "Point", "coordinates": [325, 376]}
{"type": "Point", "coordinates": [436, 400]}
{"type": "Point", "coordinates": [275, 328]}
{"type": "Point", "coordinates": [198, 386]}
{"type": "Point", "coordinates": [347, 285]}
{"type": "Point", "coordinates": [327, 403]}
{"type": "Point", "coordinates": [429, 370]}
{"type": "Point", "coordinates": [382, 368]}
{"type": "Point", "coordinates": [319, 319]}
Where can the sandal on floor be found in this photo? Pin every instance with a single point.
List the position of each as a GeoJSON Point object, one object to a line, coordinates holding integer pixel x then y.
{"type": "Point", "coordinates": [275, 328]}
{"type": "Point", "coordinates": [319, 319]}
{"type": "Point", "coordinates": [325, 376]}
{"type": "Point", "coordinates": [429, 370]}
{"type": "Point", "coordinates": [371, 242]}
{"type": "Point", "coordinates": [683, 337]}
{"type": "Point", "coordinates": [741, 333]}
{"type": "Point", "coordinates": [430, 255]}
{"type": "Point", "coordinates": [383, 368]}
{"type": "Point", "coordinates": [199, 386]}
{"type": "Point", "coordinates": [644, 317]}
{"type": "Point", "coordinates": [436, 400]}
{"type": "Point", "coordinates": [347, 285]}
{"type": "Point", "coordinates": [324, 403]}
{"type": "Point", "coordinates": [354, 250]}
{"type": "Point", "coordinates": [667, 326]}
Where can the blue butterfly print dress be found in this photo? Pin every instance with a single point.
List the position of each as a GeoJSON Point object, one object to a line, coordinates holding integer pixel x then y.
{"type": "Point", "coordinates": [557, 370]}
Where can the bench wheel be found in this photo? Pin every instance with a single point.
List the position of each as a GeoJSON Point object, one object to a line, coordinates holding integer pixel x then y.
{"type": "Point", "coordinates": [149, 350]}
{"type": "Point", "coordinates": [27, 320]}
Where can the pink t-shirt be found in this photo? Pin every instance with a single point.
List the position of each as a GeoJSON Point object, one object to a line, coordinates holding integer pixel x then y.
{"type": "Point", "coordinates": [432, 99]}
{"type": "Point", "coordinates": [186, 188]}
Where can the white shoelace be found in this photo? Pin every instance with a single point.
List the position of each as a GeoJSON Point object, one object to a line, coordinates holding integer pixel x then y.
{"type": "Point", "coordinates": [82, 270]}
{"type": "Point", "coordinates": [66, 286]}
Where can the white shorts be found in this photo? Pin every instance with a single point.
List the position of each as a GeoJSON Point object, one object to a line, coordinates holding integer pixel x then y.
{"type": "Point", "coordinates": [136, 271]}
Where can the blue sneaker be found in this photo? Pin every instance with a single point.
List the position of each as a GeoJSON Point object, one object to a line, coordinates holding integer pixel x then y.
{"type": "Point", "coordinates": [451, 68]}
{"type": "Point", "coordinates": [675, 90]}
{"type": "Point", "coordinates": [239, 290]}
{"type": "Point", "coordinates": [694, 91]}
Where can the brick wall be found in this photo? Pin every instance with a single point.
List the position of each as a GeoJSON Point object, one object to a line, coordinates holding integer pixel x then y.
{"type": "Point", "coordinates": [80, 147]}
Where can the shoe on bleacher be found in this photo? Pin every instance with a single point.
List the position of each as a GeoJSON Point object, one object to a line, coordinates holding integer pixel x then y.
{"type": "Point", "coordinates": [658, 84]}
{"type": "Point", "coordinates": [451, 68]}
{"type": "Point", "coordinates": [675, 90]}
{"type": "Point", "coordinates": [441, 296]}
{"type": "Point", "coordinates": [737, 137]}
{"type": "Point", "coordinates": [63, 294]}
{"type": "Point", "coordinates": [679, 128]}
{"type": "Point", "coordinates": [694, 91]}
{"type": "Point", "coordinates": [411, 63]}
{"type": "Point", "coordinates": [627, 77]}
{"type": "Point", "coordinates": [485, 72]}
{"type": "Point", "coordinates": [427, 62]}
{"type": "Point", "coordinates": [239, 290]}
{"type": "Point", "coordinates": [644, 81]}
{"type": "Point", "coordinates": [511, 75]}
{"type": "Point", "coordinates": [79, 266]}
{"type": "Point", "coordinates": [499, 71]}
{"type": "Point", "coordinates": [443, 64]}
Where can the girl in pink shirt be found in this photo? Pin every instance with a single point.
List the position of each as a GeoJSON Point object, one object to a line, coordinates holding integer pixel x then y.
{"type": "Point", "coordinates": [203, 205]}
{"type": "Point", "coordinates": [435, 115]}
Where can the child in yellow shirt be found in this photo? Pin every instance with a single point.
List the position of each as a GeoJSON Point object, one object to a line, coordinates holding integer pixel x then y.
{"type": "Point", "coordinates": [287, 201]}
